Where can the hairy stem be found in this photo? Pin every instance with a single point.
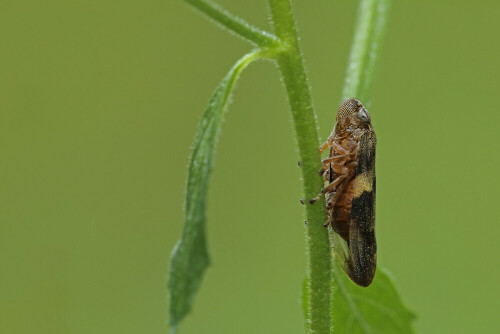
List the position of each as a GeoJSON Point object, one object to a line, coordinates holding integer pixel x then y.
{"type": "Point", "coordinates": [235, 24]}
{"type": "Point", "coordinates": [292, 70]}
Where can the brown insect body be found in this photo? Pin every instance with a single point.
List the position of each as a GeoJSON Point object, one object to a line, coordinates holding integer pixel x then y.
{"type": "Point", "coordinates": [350, 194]}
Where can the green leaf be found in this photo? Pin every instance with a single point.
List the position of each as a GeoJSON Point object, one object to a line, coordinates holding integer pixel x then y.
{"type": "Point", "coordinates": [189, 258]}
{"type": "Point", "coordinates": [377, 309]}
{"type": "Point", "coordinates": [371, 24]}
{"type": "Point", "coordinates": [236, 24]}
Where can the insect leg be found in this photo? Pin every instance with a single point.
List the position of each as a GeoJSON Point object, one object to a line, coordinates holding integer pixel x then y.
{"type": "Point", "coordinates": [339, 148]}
{"type": "Point", "coordinates": [334, 158]}
{"type": "Point", "coordinates": [324, 146]}
{"type": "Point", "coordinates": [340, 169]}
{"type": "Point", "coordinates": [326, 167]}
{"type": "Point", "coordinates": [329, 188]}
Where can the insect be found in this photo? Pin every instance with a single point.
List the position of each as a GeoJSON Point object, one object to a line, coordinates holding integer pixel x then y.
{"type": "Point", "coordinates": [350, 193]}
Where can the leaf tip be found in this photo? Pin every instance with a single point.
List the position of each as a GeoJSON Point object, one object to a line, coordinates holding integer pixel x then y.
{"type": "Point", "coordinates": [173, 329]}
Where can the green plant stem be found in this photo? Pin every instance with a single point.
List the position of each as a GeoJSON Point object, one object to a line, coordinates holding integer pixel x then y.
{"type": "Point", "coordinates": [368, 37]}
{"type": "Point", "coordinates": [297, 87]}
{"type": "Point", "coordinates": [240, 27]}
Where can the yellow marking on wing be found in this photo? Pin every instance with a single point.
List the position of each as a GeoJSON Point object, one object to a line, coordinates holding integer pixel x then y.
{"type": "Point", "coordinates": [363, 182]}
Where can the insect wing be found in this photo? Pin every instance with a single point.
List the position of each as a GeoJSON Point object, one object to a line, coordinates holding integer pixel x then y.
{"type": "Point", "coordinates": [362, 243]}
{"type": "Point", "coordinates": [358, 257]}
{"type": "Point", "coordinates": [341, 251]}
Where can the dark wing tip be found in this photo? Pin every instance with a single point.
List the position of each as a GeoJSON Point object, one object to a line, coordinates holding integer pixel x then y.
{"type": "Point", "coordinates": [364, 280]}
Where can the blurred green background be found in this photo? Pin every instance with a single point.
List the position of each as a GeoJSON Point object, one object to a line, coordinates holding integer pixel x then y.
{"type": "Point", "coordinates": [99, 101]}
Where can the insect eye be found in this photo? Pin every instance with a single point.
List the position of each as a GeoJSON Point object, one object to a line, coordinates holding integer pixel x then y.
{"type": "Point", "coordinates": [363, 115]}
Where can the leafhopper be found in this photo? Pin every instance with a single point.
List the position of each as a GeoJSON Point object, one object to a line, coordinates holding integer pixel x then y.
{"type": "Point", "coordinates": [349, 172]}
